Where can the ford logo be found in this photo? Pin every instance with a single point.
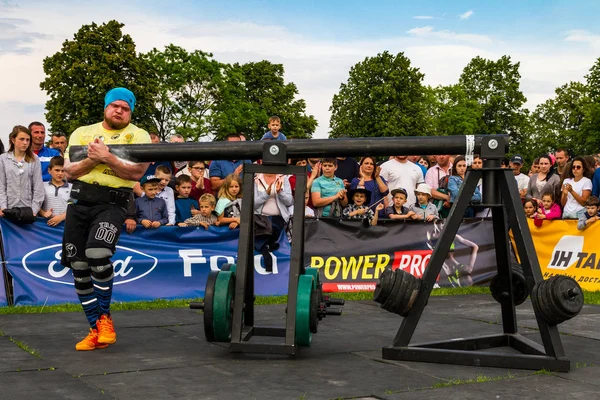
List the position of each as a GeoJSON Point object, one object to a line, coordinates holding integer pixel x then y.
{"type": "Point", "coordinates": [129, 265]}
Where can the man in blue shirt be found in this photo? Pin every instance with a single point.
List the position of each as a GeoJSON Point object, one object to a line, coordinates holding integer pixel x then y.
{"type": "Point", "coordinates": [38, 137]}
{"type": "Point", "coordinates": [219, 169]}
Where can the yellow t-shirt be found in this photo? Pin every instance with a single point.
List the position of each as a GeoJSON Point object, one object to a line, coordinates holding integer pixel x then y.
{"type": "Point", "coordinates": [103, 175]}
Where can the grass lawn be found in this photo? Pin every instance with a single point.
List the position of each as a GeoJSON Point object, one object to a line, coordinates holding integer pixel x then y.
{"type": "Point", "coordinates": [590, 298]}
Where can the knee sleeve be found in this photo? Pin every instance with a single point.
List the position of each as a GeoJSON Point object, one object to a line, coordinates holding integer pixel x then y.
{"type": "Point", "coordinates": [82, 278]}
{"type": "Point", "coordinates": [100, 264]}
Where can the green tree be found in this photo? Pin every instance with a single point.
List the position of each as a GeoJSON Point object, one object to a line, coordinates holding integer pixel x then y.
{"type": "Point", "coordinates": [382, 97]}
{"type": "Point", "coordinates": [251, 93]}
{"type": "Point", "coordinates": [593, 82]}
{"type": "Point", "coordinates": [188, 85]}
{"type": "Point", "coordinates": [98, 59]}
{"type": "Point", "coordinates": [454, 112]}
{"type": "Point", "coordinates": [495, 86]}
{"type": "Point", "coordinates": [558, 121]}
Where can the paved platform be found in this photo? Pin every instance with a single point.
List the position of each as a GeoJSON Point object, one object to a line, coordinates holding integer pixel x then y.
{"type": "Point", "coordinates": [162, 354]}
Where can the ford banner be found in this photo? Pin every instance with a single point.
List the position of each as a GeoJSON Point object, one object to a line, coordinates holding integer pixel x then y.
{"type": "Point", "coordinates": [169, 263]}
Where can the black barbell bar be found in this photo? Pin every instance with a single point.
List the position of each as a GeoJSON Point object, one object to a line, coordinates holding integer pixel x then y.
{"type": "Point", "coordinates": [303, 148]}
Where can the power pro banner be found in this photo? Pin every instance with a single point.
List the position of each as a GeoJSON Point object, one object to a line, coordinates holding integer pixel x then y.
{"type": "Point", "coordinates": [351, 255]}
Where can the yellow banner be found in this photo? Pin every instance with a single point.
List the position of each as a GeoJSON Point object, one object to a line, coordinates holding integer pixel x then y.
{"type": "Point", "coordinates": [564, 250]}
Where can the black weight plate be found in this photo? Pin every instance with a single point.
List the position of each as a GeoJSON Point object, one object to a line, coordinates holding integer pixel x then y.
{"type": "Point", "coordinates": [495, 288]}
{"type": "Point", "coordinates": [314, 310]}
{"type": "Point", "coordinates": [209, 293]}
{"type": "Point", "coordinates": [555, 315]}
{"type": "Point", "coordinates": [400, 293]}
{"type": "Point", "coordinates": [384, 286]}
{"type": "Point", "coordinates": [534, 300]}
{"type": "Point", "coordinates": [413, 296]}
{"type": "Point", "coordinates": [410, 293]}
{"type": "Point", "coordinates": [569, 305]}
{"type": "Point", "coordinates": [542, 306]}
{"type": "Point", "coordinates": [226, 267]}
{"type": "Point", "coordinates": [397, 280]}
{"type": "Point", "coordinates": [520, 289]}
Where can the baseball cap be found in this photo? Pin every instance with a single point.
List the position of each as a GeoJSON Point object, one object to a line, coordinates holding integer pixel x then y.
{"type": "Point", "coordinates": [399, 190]}
{"type": "Point", "coordinates": [149, 179]}
{"type": "Point", "coordinates": [516, 159]}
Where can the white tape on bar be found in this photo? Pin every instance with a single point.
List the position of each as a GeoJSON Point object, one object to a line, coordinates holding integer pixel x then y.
{"type": "Point", "coordinates": [470, 139]}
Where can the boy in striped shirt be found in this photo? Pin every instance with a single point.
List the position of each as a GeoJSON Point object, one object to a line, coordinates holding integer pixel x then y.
{"type": "Point", "coordinates": [57, 193]}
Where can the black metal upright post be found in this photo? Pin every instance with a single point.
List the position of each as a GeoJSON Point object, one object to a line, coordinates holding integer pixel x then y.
{"type": "Point", "coordinates": [243, 325]}
{"type": "Point", "coordinates": [502, 196]}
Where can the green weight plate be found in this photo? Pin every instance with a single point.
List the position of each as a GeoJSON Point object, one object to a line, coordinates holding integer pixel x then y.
{"type": "Point", "coordinates": [222, 311]}
{"type": "Point", "coordinates": [305, 288]}
{"type": "Point", "coordinates": [314, 272]}
{"type": "Point", "coordinates": [209, 292]}
{"type": "Point", "coordinates": [395, 280]}
{"type": "Point", "coordinates": [570, 305]}
{"type": "Point", "coordinates": [229, 267]}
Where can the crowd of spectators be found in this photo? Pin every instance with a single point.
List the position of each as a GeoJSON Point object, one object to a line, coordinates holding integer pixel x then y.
{"type": "Point", "coordinates": [204, 193]}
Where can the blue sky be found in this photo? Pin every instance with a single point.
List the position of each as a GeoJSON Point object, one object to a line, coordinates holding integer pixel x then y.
{"type": "Point", "coordinates": [316, 41]}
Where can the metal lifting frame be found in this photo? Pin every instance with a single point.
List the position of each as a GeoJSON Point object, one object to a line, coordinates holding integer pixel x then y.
{"type": "Point", "coordinates": [243, 329]}
{"type": "Point", "coordinates": [501, 194]}
{"type": "Point", "coordinates": [499, 187]}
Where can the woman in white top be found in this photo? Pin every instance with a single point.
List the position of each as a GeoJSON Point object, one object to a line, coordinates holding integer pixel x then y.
{"type": "Point", "coordinates": [273, 199]}
{"type": "Point", "coordinates": [576, 189]}
{"type": "Point", "coordinates": [20, 174]}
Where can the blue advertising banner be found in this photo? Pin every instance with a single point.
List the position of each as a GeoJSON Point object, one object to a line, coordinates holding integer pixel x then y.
{"type": "Point", "coordinates": [168, 263]}
{"type": "Point", "coordinates": [3, 301]}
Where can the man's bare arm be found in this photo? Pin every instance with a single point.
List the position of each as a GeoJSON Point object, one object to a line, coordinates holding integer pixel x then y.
{"type": "Point", "coordinates": [74, 170]}
{"type": "Point", "coordinates": [124, 169]}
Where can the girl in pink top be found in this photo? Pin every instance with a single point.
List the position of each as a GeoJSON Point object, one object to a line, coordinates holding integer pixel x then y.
{"type": "Point", "coordinates": [548, 210]}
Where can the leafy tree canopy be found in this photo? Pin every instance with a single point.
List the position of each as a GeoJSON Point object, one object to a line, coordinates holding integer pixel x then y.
{"type": "Point", "coordinates": [78, 76]}
{"type": "Point", "coordinates": [382, 97]}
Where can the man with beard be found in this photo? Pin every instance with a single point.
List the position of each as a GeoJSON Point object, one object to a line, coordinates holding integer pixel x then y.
{"type": "Point", "coordinates": [101, 192]}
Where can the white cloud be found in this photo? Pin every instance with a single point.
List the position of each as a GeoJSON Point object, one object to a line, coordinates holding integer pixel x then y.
{"type": "Point", "coordinates": [316, 66]}
{"type": "Point", "coordinates": [429, 32]}
{"type": "Point", "coordinates": [423, 17]}
{"type": "Point", "coordinates": [466, 15]}
{"type": "Point", "coordinates": [582, 36]}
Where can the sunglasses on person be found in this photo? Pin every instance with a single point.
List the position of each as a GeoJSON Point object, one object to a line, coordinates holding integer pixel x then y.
{"type": "Point", "coordinates": [576, 167]}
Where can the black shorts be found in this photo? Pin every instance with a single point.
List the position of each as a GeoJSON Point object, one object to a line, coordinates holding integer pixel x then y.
{"type": "Point", "coordinates": [91, 225]}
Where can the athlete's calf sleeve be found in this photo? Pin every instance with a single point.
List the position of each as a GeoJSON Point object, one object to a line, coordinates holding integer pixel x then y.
{"type": "Point", "coordinates": [85, 291]}
{"type": "Point", "coordinates": [102, 275]}
{"type": "Point", "coordinates": [82, 278]}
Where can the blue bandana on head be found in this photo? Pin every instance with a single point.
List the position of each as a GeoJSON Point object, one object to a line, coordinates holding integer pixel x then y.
{"type": "Point", "coordinates": [120, 93]}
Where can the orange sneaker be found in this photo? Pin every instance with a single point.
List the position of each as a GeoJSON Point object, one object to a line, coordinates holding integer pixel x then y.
{"type": "Point", "coordinates": [106, 330]}
{"type": "Point", "coordinates": [90, 342]}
